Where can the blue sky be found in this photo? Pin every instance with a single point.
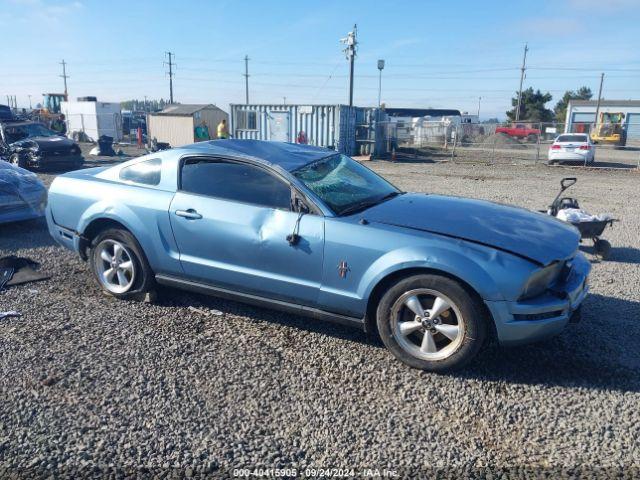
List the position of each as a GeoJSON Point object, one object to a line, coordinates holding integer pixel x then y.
{"type": "Point", "coordinates": [438, 54]}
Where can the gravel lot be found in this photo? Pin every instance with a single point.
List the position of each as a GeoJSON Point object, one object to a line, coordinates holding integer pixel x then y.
{"type": "Point", "coordinates": [91, 385]}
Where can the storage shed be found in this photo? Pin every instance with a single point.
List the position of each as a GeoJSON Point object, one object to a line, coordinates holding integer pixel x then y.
{"type": "Point", "coordinates": [176, 124]}
{"type": "Point", "coordinates": [339, 127]}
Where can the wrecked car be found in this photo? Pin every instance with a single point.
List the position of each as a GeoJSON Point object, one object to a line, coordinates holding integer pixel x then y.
{"type": "Point", "coordinates": [313, 232]}
{"type": "Point", "coordinates": [33, 145]}
{"type": "Point", "coordinates": [22, 195]}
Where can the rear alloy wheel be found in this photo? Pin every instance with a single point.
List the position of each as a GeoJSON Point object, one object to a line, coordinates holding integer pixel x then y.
{"type": "Point", "coordinates": [115, 267]}
{"type": "Point", "coordinates": [431, 323]}
{"type": "Point", "coordinates": [119, 264]}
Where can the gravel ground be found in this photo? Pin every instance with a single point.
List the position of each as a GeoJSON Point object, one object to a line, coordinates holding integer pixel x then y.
{"type": "Point", "coordinates": [92, 386]}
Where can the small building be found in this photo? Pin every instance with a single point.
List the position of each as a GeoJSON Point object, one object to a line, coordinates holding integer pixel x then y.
{"type": "Point", "coordinates": [581, 116]}
{"type": "Point", "coordinates": [93, 118]}
{"type": "Point", "coordinates": [176, 124]}
{"type": "Point", "coordinates": [340, 127]}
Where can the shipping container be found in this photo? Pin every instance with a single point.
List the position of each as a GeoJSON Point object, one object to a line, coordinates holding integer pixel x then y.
{"type": "Point", "coordinates": [338, 127]}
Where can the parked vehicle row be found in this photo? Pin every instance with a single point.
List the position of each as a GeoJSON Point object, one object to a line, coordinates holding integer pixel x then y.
{"type": "Point", "coordinates": [308, 230]}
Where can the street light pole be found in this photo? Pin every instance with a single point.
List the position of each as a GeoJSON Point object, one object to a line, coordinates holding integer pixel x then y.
{"type": "Point", "coordinates": [380, 68]}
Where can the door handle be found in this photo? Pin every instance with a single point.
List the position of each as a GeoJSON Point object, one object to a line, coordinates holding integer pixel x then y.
{"type": "Point", "coordinates": [191, 214]}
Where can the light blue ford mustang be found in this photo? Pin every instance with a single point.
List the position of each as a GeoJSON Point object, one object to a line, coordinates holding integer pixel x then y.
{"type": "Point", "coordinates": [310, 231]}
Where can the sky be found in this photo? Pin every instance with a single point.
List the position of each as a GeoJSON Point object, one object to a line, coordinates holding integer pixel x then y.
{"type": "Point", "coordinates": [438, 54]}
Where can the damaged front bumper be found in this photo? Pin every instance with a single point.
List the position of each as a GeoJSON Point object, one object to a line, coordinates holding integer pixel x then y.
{"type": "Point", "coordinates": [41, 160]}
{"type": "Point", "coordinates": [546, 315]}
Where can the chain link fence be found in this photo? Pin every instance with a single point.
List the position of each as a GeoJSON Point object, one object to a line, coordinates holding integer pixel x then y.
{"type": "Point", "coordinates": [504, 143]}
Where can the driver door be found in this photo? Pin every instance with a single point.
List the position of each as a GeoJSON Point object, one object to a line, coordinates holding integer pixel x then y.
{"type": "Point", "coordinates": [231, 220]}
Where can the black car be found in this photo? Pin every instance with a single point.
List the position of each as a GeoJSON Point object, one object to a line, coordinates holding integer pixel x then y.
{"type": "Point", "coordinates": [32, 145]}
{"type": "Point", "coordinates": [5, 113]}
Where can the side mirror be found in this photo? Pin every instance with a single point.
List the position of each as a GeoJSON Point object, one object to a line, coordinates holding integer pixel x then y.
{"type": "Point", "coordinates": [300, 206]}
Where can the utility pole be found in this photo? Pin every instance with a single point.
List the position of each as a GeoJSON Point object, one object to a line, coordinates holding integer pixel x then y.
{"type": "Point", "coordinates": [246, 79]}
{"type": "Point", "coordinates": [351, 42]}
{"type": "Point", "coordinates": [599, 97]}
{"type": "Point", "coordinates": [65, 76]}
{"type": "Point", "coordinates": [380, 68]}
{"type": "Point", "coordinates": [171, 65]}
{"type": "Point", "coordinates": [522, 70]}
{"type": "Point", "coordinates": [479, 98]}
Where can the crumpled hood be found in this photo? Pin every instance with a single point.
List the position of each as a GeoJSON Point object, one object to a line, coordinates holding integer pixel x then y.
{"type": "Point", "coordinates": [536, 236]}
{"type": "Point", "coordinates": [47, 144]}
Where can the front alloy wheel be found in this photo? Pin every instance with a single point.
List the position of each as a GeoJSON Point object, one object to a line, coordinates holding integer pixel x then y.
{"type": "Point", "coordinates": [427, 324]}
{"type": "Point", "coordinates": [431, 322]}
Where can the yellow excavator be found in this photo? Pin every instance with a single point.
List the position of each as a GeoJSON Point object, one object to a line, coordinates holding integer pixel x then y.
{"type": "Point", "coordinates": [50, 109]}
{"type": "Point", "coordinates": [609, 129]}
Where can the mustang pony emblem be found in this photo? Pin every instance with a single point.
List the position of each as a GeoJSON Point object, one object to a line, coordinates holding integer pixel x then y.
{"type": "Point", "coordinates": [343, 268]}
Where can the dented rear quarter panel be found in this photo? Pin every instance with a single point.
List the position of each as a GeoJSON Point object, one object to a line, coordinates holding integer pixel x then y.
{"type": "Point", "coordinates": [75, 201]}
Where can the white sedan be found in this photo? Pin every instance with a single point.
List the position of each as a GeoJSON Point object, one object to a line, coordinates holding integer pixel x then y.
{"type": "Point", "coordinates": [572, 147]}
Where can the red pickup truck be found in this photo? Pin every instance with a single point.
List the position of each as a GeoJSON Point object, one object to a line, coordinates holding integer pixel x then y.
{"type": "Point", "coordinates": [519, 130]}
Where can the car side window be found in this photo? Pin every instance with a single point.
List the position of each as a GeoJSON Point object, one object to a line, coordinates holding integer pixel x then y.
{"type": "Point", "coordinates": [147, 172]}
{"type": "Point", "coordinates": [234, 181]}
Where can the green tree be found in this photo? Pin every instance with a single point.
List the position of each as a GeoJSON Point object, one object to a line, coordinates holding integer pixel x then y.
{"type": "Point", "coordinates": [583, 93]}
{"type": "Point", "coordinates": [532, 106]}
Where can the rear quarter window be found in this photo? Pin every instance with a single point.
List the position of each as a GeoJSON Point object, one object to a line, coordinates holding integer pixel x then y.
{"type": "Point", "coordinates": [572, 138]}
{"type": "Point", "coordinates": [147, 172]}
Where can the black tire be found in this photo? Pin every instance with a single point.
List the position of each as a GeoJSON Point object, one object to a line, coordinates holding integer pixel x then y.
{"type": "Point", "coordinates": [470, 336]}
{"type": "Point", "coordinates": [143, 280]}
{"type": "Point", "coordinates": [18, 161]}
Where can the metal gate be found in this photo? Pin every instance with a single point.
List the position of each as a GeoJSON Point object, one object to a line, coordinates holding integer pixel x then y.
{"type": "Point", "coordinates": [279, 126]}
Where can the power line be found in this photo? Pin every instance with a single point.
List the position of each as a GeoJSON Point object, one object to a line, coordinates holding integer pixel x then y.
{"type": "Point", "coordinates": [599, 96]}
{"type": "Point", "coordinates": [522, 70]}
{"type": "Point", "coordinates": [326, 81]}
{"type": "Point", "coordinates": [351, 42]}
{"type": "Point", "coordinates": [246, 79]}
{"type": "Point", "coordinates": [171, 64]}
{"type": "Point", "coordinates": [65, 76]}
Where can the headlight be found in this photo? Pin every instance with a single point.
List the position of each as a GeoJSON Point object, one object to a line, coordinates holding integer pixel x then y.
{"type": "Point", "coordinates": [540, 280]}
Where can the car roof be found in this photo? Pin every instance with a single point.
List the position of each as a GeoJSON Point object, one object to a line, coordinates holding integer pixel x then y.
{"type": "Point", "coordinates": [573, 135]}
{"type": "Point", "coordinates": [288, 156]}
{"type": "Point", "coordinates": [18, 122]}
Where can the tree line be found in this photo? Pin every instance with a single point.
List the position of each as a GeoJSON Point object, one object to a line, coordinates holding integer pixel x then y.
{"type": "Point", "coordinates": [533, 109]}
